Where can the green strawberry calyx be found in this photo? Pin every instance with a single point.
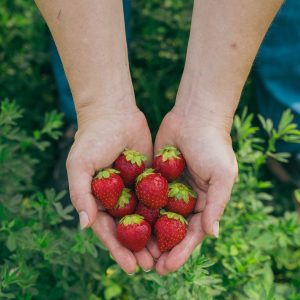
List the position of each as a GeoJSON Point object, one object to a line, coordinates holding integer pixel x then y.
{"type": "Point", "coordinates": [169, 152]}
{"type": "Point", "coordinates": [145, 174]}
{"type": "Point", "coordinates": [131, 220]}
{"type": "Point", "coordinates": [105, 173]}
{"type": "Point", "coordinates": [124, 198]}
{"type": "Point", "coordinates": [174, 216]}
{"type": "Point", "coordinates": [134, 157]}
{"type": "Point", "coordinates": [181, 191]}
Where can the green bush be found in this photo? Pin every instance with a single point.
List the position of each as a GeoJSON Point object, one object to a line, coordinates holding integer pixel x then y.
{"type": "Point", "coordinates": [257, 255]}
{"type": "Point", "coordinates": [160, 31]}
{"type": "Point", "coordinates": [24, 55]}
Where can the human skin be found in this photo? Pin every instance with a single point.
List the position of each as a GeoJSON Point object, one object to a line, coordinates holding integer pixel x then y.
{"type": "Point", "coordinates": [90, 38]}
{"type": "Point", "coordinates": [224, 39]}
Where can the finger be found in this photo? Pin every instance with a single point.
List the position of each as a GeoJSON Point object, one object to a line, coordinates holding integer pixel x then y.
{"type": "Point", "coordinates": [153, 248]}
{"type": "Point", "coordinates": [160, 265]}
{"type": "Point", "coordinates": [201, 199]}
{"type": "Point", "coordinates": [218, 196]}
{"type": "Point", "coordinates": [144, 259]}
{"type": "Point", "coordinates": [146, 149]}
{"type": "Point", "coordinates": [164, 136]}
{"type": "Point", "coordinates": [81, 168]}
{"type": "Point", "coordinates": [100, 206]}
{"type": "Point", "coordinates": [80, 192]}
{"type": "Point", "coordinates": [181, 253]}
{"type": "Point", "coordinates": [143, 145]}
{"type": "Point", "coordinates": [105, 229]}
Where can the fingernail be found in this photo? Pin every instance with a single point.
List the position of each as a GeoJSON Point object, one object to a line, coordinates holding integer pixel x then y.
{"type": "Point", "coordinates": [84, 219]}
{"type": "Point", "coordinates": [216, 229]}
{"type": "Point", "coordinates": [111, 256]}
{"type": "Point", "coordinates": [147, 271]}
{"type": "Point", "coordinates": [130, 274]}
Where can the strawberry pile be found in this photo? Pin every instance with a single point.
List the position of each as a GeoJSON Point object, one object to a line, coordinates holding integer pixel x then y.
{"type": "Point", "coordinates": [146, 200]}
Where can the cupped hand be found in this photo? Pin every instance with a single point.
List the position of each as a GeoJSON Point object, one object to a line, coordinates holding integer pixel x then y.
{"type": "Point", "coordinates": [211, 171]}
{"type": "Point", "coordinates": [100, 138]}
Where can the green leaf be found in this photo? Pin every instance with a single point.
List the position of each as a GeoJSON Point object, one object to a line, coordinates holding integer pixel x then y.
{"type": "Point", "coordinates": [285, 120]}
{"type": "Point", "coordinates": [94, 297]}
{"type": "Point", "coordinates": [11, 242]}
{"type": "Point", "coordinates": [155, 278]}
{"type": "Point", "coordinates": [112, 291]}
{"type": "Point", "coordinates": [297, 195]}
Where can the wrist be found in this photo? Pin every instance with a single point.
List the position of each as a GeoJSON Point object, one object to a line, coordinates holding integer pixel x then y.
{"type": "Point", "coordinates": [110, 95]}
{"type": "Point", "coordinates": [204, 120]}
{"type": "Point", "coordinates": [119, 103]}
{"type": "Point", "coordinates": [203, 112]}
{"type": "Point", "coordinates": [205, 104]}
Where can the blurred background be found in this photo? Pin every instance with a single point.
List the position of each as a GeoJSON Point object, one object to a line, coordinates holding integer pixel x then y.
{"type": "Point", "coordinates": [43, 255]}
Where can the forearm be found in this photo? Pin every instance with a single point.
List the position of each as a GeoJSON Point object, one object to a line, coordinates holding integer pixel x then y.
{"type": "Point", "coordinates": [90, 37]}
{"type": "Point", "coordinates": [224, 39]}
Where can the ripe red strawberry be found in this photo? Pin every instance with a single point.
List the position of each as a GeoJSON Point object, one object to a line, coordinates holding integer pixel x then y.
{"type": "Point", "coordinates": [149, 214]}
{"type": "Point", "coordinates": [169, 162]}
{"type": "Point", "coordinates": [182, 199]}
{"type": "Point", "coordinates": [133, 232]}
{"type": "Point", "coordinates": [107, 187]}
{"type": "Point", "coordinates": [126, 204]}
{"type": "Point", "coordinates": [152, 189]}
{"type": "Point", "coordinates": [130, 164]}
{"type": "Point", "coordinates": [170, 229]}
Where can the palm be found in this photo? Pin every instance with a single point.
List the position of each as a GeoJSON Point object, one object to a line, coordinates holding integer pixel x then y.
{"type": "Point", "coordinates": [97, 144]}
{"type": "Point", "coordinates": [210, 171]}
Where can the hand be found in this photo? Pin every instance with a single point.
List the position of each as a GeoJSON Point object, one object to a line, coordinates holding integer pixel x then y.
{"type": "Point", "coordinates": [100, 138]}
{"type": "Point", "coordinates": [211, 171]}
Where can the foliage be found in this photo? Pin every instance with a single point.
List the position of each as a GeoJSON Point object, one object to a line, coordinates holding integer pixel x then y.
{"type": "Point", "coordinates": [15, 143]}
{"type": "Point", "coordinates": [257, 255]}
{"type": "Point", "coordinates": [25, 70]}
{"type": "Point", "coordinates": [159, 41]}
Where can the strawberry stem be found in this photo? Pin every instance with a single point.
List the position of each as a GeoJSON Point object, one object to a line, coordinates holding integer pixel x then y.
{"type": "Point", "coordinates": [124, 198]}
{"type": "Point", "coordinates": [145, 174]}
{"type": "Point", "coordinates": [181, 191]}
{"type": "Point", "coordinates": [174, 216]}
{"type": "Point", "coordinates": [131, 219]}
{"type": "Point", "coordinates": [134, 157]}
{"type": "Point", "coordinates": [169, 152]}
{"type": "Point", "coordinates": [105, 173]}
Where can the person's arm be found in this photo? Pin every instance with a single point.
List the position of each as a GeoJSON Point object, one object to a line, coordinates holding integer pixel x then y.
{"type": "Point", "coordinates": [224, 39]}
{"type": "Point", "coordinates": [90, 37]}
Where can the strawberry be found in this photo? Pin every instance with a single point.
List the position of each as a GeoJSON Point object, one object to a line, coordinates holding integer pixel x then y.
{"type": "Point", "coordinates": [133, 232]}
{"type": "Point", "coordinates": [130, 164]}
{"type": "Point", "coordinates": [170, 229]}
{"type": "Point", "coordinates": [107, 187]}
{"type": "Point", "coordinates": [152, 189]}
{"type": "Point", "coordinates": [149, 214]}
{"type": "Point", "coordinates": [169, 162]}
{"type": "Point", "coordinates": [182, 199]}
{"type": "Point", "coordinates": [126, 204]}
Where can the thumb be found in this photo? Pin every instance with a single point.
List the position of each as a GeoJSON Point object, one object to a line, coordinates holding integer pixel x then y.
{"type": "Point", "coordinates": [162, 139]}
{"type": "Point", "coordinates": [80, 191]}
{"type": "Point", "coordinates": [218, 196]}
